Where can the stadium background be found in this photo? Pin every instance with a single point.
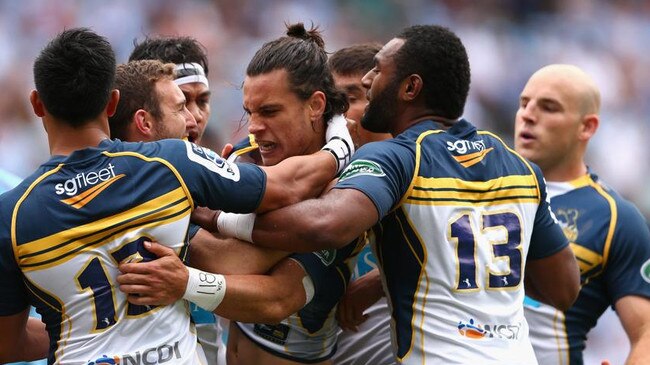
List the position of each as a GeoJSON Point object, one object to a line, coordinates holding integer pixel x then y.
{"type": "Point", "coordinates": [506, 39]}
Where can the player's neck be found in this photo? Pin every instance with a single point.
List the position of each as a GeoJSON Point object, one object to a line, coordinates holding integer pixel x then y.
{"type": "Point", "coordinates": [64, 139]}
{"type": "Point", "coordinates": [566, 172]}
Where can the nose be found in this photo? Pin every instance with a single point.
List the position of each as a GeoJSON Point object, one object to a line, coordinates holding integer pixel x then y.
{"type": "Point", "coordinates": [196, 113]}
{"type": "Point", "coordinates": [255, 124]}
{"type": "Point", "coordinates": [366, 80]}
{"type": "Point", "coordinates": [526, 112]}
{"type": "Point", "coordinates": [190, 122]}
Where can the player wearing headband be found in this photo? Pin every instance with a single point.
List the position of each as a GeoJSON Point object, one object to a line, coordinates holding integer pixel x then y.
{"type": "Point", "coordinates": [191, 73]}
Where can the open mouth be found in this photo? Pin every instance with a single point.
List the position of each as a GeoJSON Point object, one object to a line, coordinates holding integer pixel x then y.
{"type": "Point", "coordinates": [265, 146]}
{"type": "Point", "coordinates": [526, 136]}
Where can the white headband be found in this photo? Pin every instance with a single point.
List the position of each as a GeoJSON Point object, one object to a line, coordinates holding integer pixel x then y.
{"type": "Point", "coordinates": [190, 72]}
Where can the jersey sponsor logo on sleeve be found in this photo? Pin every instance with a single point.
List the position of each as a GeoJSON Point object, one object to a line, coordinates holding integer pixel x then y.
{"type": "Point", "coordinates": [645, 271]}
{"type": "Point", "coordinates": [212, 161]}
{"type": "Point", "coordinates": [362, 167]}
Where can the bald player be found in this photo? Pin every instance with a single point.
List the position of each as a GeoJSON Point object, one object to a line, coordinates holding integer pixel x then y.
{"type": "Point", "coordinates": [558, 114]}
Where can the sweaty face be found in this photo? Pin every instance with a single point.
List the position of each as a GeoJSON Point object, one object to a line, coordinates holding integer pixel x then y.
{"type": "Point", "coordinates": [175, 120]}
{"type": "Point", "coordinates": [547, 121]}
{"type": "Point", "coordinates": [382, 85]}
{"type": "Point", "coordinates": [278, 119]}
{"type": "Point", "coordinates": [197, 96]}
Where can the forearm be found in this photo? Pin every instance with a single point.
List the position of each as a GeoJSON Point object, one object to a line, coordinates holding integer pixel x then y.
{"type": "Point", "coordinates": [264, 298]}
{"type": "Point", "coordinates": [331, 221]}
{"type": "Point", "coordinates": [231, 256]}
{"type": "Point", "coordinates": [640, 349]}
{"type": "Point", "coordinates": [296, 179]}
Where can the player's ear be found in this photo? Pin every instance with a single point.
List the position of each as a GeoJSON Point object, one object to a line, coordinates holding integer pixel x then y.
{"type": "Point", "coordinates": [143, 123]}
{"type": "Point", "coordinates": [113, 99]}
{"type": "Point", "coordinates": [411, 87]}
{"type": "Point", "coordinates": [588, 127]}
{"type": "Point", "coordinates": [316, 105]}
{"type": "Point", "coordinates": [37, 104]}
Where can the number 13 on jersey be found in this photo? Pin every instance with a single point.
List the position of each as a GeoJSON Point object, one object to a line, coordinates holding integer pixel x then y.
{"type": "Point", "coordinates": [499, 233]}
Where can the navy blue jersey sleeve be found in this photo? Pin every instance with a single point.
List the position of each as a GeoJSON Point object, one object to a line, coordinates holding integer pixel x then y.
{"type": "Point", "coordinates": [213, 181]}
{"type": "Point", "coordinates": [192, 230]}
{"type": "Point", "coordinates": [547, 238]}
{"type": "Point", "coordinates": [627, 270]}
{"type": "Point", "coordinates": [13, 294]}
{"type": "Point", "coordinates": [381, 170]}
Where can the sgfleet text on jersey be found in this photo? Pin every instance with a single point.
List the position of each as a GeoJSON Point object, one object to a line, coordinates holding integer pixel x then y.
{"type": "Point", "coordinates": [84, 179]}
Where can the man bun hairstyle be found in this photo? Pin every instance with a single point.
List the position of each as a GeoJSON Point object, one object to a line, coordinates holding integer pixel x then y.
{"type": "Point", "coordinates": [302, 55]}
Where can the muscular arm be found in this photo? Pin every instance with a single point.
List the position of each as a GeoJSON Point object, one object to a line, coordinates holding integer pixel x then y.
{"type": "Point", "coordinates": [331, 221]}
{"type": "Point", "coordinates": [22, 338]}
{"type": "Point", "coordinates": [249, 298]}
{"type": "Point", "coordinates": [264, 298]}
{"type": "Point", "coordinates": [634, 313]}
{"type": "Point", "coordinates": [230, 256]}
{"type": "Point", "coordinates": [297, 178]}
{"type": "Point", "coordinates": [554, 280]}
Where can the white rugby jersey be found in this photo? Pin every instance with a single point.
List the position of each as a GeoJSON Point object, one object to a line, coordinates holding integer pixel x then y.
{"type": "Point", "coordinates": [460, 212]}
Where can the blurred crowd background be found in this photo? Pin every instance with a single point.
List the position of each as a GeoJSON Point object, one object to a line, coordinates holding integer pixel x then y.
{"type": "Point", "coordinates": [507, 40]}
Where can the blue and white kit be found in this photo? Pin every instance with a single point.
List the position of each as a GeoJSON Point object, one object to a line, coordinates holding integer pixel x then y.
{"type": "Point", "coordinates": [65, 229]}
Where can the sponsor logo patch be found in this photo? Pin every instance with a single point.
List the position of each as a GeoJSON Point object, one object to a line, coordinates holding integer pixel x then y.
{"type": "Point", "coordinates": [165, 353]}
{"type": "Point", "coordinates": [362, 167]}
{"type": "Point", "coordinates": [645, 271]}
{"type": "Point", "coordinates": [212, 161]}
{"type": "Point", "coordinates": [476, 331]}
{"type": "Point", "coordinates": [326, 256]}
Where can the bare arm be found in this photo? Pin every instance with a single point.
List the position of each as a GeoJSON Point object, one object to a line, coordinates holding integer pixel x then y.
{"type": "Point", "coordinates": [297, 178]}
{"type": "Point", "coordinates": [331, 221]}
{"type": "Point", "coordinates": [634, 313]}
{"type": "Point", "coordinates": [249, 298]}
{"type": "Point", "coordinates": [554, 280]}
{"type": "Point", "coordinates": [264, 298]}
{"type": "Point", "coordinates": [22, 338]}
{"type": "Point", "coordinates": [230, 256]}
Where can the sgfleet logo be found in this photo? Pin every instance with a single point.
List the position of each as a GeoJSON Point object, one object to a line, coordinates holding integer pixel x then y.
{"type": "Point", "coordinates": [155, 355]}
{"type": "Point", "coordinates": [501, 331]}
{"type": "Point", "coordinates": [463, 146]}
{"type": "Point", "coordinates": [470, 152]}
{"type": "Point", "coordinates": [98, 181]}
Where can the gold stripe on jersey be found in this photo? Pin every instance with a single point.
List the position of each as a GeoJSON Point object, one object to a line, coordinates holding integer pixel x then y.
{"type": "Point", "coordinates": [416, 170]}
{"type": "Point", "coordinates": [62, 246]}
{"type": "Point", "coordinates": [87, 196]}
{"type": "Point", "coordinates": [14, 214]}
{"type": "Point", "coordinates": [454, 191]}
{"type": "Point", "coordinates": [472, 159]}
{"type": "Point", "coordinates": [253, 146]}
{"type": "Point", "coordinates": [613, 211]}
{"type": "Point", "coordinates": [64, 334]}
{"type": "Point", "coordinates": [587, 259]}
{"type": "Point", "coordinates": [525, 161]}
{"type": "Point", "coordinates": [416, 311]}
{"type": "Point", "coordinates": [159, 160]}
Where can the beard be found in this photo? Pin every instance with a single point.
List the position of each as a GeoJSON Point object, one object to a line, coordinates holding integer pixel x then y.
{"type": "Point", "coordinates": [381, 113]}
